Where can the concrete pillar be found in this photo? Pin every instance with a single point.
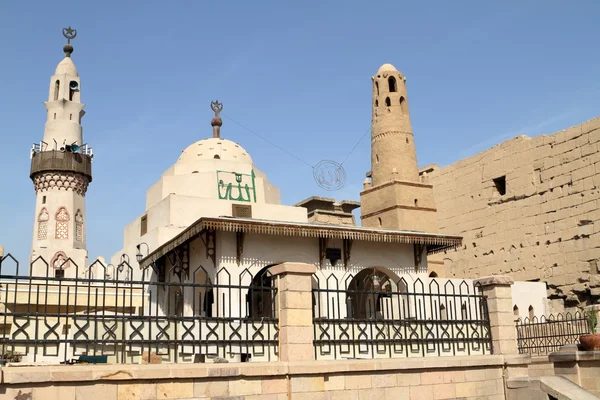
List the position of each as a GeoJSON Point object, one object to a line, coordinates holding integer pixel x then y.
{"type": "Point", "coordinates": [596, 310]}
{"type": "Point", "coordinates": [502, 321]}
{"type": "Point", "coordinates": [294, 297]}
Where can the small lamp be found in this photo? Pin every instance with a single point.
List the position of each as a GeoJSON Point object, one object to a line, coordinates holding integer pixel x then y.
{"type": "Point", "coordinates": [139, 256]}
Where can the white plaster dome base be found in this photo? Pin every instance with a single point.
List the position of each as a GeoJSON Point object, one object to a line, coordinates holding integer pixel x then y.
{"type": "Point", "coordinates": [214, 148]}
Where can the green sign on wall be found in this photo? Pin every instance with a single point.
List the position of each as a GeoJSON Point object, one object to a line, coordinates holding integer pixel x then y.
{"type": "Point", "coordinates": [235, 186]}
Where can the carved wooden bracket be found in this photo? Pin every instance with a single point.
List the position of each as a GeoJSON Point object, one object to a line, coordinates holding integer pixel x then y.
{"type": "Point", "coordinates": [239, 237]}
{"type": "Point", "coordinates": [347, 252]}
{"type": "Point", "coordinates": [418, 252]}
{"type": "Point", "coordinates": [209, 238]}
{"type": "Point", "coordinates": [322, 250]}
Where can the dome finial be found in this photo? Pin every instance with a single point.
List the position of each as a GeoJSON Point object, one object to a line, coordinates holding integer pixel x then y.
{"type": "Point", "coordinates": [216, 122]}
{"type": "Point", "coordinates": [69, 33]}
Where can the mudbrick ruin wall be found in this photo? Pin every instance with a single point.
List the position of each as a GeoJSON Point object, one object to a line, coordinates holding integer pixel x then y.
{"type": "Point", "coordinates": [528, 208]}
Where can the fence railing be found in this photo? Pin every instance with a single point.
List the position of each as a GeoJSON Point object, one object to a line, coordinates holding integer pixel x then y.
{"type": "Point", "coordinates": [371, 315]}
{"type": "Point", "coordinates": [544, 335]}
{"type": "Point", "coordinates": [206, 315]}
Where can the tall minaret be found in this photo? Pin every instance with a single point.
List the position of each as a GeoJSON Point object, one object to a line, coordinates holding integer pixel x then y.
{"type": "Point", "coordinates": [61, 169]}
{"type": "Point", "coordinates": [395, 197]}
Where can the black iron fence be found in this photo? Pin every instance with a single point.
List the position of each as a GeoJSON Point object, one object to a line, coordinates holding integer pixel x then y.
{"type": "Point", "coordinates": [372, 315]}
{"type": "Point", "coordinates": [544, 335]}
{"type": "Point", "coordinates": [106, 313]}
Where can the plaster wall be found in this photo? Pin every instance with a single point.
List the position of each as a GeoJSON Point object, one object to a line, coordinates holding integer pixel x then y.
{"type": "Point", "coordinates": [545, 227]}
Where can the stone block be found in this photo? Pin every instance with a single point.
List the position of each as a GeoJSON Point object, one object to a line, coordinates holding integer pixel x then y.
{"type": "Point", "coordinates": [245, 387]}
{"type": "Point", "coordinates": [421, 392]}
{"type": "Point", "coordinates": [176, 389]}
{"type": "Point", "coordinates": [297, 352]}
{"type": "Point", "coordinates": [432, 377]}
{"type": "Point", "coordinates": [475, 375]}
{"type": "Point", "coordinates": [453, 376]}
{"type": "Point", "coordinates": [276, 385]}
{"type": "Point", "coordinates": [292, 317]}
{"type": "Point", "coordinates": [444, 391]}
{"type": "Point", "coordinates": [136, 391]}
{"type": "Point", "coordinates": [357, 381]}
{"type": "Point", "coordinates": [151, 358]}
{"type": "Point", "coordinates": [212, 388]}
{"type": "Point", "coordinates": [96, 391]}
{"type": "Point", "coordinates": [334, 382]}
{"type": "Point", "coordinates": [308, 396]}
{"type": "Point", "coordinates": [342, 395]}
{"type": "Point", "coordinates": [371, 394]}
{"type": "Point", "coordinates": [397, 393]}
{"type": "Point", "coordinates": [52, 392]}
{"type": "Point", "coordinates": [307, 384]}
{"type": "Point", "coordinates": [296, 300]}
{"type": "Point", "coordinates": [408, 379]}
{"type": "Point", "coordinates": [297, 334]}
{"type": "Point", "coordinates": [466, 389]}
{"type": "Point", "coordinates": [383, 380]}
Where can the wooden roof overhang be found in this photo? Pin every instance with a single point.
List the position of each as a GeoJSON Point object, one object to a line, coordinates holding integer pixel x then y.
{"type": "Point", "coordinates": [206, 227]}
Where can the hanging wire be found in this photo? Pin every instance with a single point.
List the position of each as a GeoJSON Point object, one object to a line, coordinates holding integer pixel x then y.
{"type": "Point", "coordinates": [267, 140]}
{"type": "Point", "coordinates": [356, 145]}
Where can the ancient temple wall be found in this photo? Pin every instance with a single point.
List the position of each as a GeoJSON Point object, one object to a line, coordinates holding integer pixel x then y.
{"type": "Point", "coordinates": [545, 226]}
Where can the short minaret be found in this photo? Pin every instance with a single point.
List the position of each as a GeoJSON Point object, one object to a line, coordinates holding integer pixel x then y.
{"type": "Point", "coordinates": [395, 197]}
{"type": "Point", "coordinates": [61, 169]}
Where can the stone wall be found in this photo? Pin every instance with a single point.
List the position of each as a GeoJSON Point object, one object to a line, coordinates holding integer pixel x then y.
{"type": "Point", "coordinates": [468, 378]}
{"type": "Point", "coordinates": [527, 208]}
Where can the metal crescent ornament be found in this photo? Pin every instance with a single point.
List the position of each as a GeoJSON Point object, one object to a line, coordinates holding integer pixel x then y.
{"type": "Point", "coordinates": [69, 33]}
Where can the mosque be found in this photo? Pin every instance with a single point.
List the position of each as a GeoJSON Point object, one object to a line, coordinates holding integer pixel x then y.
{"type": "Point", "coordinates": [214, 217]}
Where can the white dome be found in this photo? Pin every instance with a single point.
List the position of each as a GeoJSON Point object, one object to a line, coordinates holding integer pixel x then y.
{"type": "Point", "coordinates": [214, 148]}
{"type": "Point", "coordinates": [66, 66]}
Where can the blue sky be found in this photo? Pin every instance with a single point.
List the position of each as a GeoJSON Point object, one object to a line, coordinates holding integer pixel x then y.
{"type": "Point", "coordinates": [297, 73]}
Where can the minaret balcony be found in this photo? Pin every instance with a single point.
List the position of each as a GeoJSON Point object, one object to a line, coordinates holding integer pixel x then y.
{"type": "Point", "coordinates": [56, 160]}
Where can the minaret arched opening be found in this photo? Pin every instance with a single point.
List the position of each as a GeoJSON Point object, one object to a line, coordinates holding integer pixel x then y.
{"type": "Point", "coordinates": [403, 105]}
{"type": "Point", "coordinates": [388, 102]}
{"type": "Point", "coordinates": [56, 89]}
{"type": "Point", "coordinates": [377, 87]}
{"type": "Point", "coordinates": [392, 84]}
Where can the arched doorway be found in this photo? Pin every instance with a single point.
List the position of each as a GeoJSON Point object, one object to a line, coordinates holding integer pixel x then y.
{"type": "Point", "coordinates": [369, 294]}
{"type": "Point", "coordinates": [260, 299]}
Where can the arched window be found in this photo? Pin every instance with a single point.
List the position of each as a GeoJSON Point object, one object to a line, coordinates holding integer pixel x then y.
{"type": "Point", "coordinates": [388, 101]}
{"type": "Point", "coordinates": [403, 105]}
{"type": "Point", "coordinates": [377, 87]}
{"type": "Point", "coordinates": [516, 311]}
{"type": "Point", "coordinates": [433, 274]}
{"type": "Point", "coordinates": [392, 84]}
{"type": "Point", "coordinates": [56, 89]}
{"type": "Point", "coordinates": [62, 223]}
{"type": "Point", "coordinates": [59, 263]}
{"type": "Point", "coordinates": [416, 203]}
{"type": "Point", "coordinates": [260, 299]}
{"type": "Point", "coordinates": [79, 226]}
{"type": "Point", "coordinates": [217, 157]}
{"type": "Point", "coordinates": [376, 103]}
{"type": "Point", "coordinates": [43, 218]}
{"type": "Point", "coordinates": [531, 312]}
{"type": "Point", "coordinates": [379, 220]}
{"type": "Point", "coordinates": [443, 313]}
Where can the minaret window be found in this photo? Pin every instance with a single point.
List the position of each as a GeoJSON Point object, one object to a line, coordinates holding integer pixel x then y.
{"type": "Point", "coordinates": [402, 105]}
{"type": "Point", "coordinates": [56, 89]}
{"type": "Point", "coordinates": [377, 87]}
{"type": "Point", "coordinates": [79, 226]}
{"type": "Point", "coordinates": [43, 218]}
{"type": "Point", "coordinates": [392, 84]}
{"type": "Point", "coordinates": [62, 218]}
{"type": "Point", "coordinates": [388, 101]}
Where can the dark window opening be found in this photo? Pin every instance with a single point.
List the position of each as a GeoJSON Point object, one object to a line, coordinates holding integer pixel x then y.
{"type": "Point", "coordinates": [56, 89]}
{"type": "Point", "coordinates": [531, 312]}
{"type": "Point", "coordinates": [54, 115]}
{"type": "Point", "coordinates": [143, 225]}
{"type": "Point", "coordinates": [44, 200]}
{"type": "Point", "coordinates": [59, 273]}
{"type": "Point", "coordinates": [433, 274]}
{"type": "Point", "coordinates": [416, 203]}
{"type": "Point", "coordinates": [376, 103]}
{"type": "Point", "coordinates": [392, 84]}
{"type": "Point", "coordinates": [402, 105]}
{"type": "Point", "coordinates": [500, 184]}
{"type": "Point", "coordinates": [388, 102]}
{"type": "Point", "coordinates": [260, 299]}
{"type": "Point", "coordinates": [217, 157]}
{"type": "Point", "coordinates": [377, 87]}
{"type": "Point", "coordinates": [516, 311]}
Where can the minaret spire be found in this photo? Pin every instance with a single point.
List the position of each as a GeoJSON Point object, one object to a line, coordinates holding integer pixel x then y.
{"type": "Point", "coordinates": [216, 122]}
{"type": "Point", "coordinates": [61, 170]}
